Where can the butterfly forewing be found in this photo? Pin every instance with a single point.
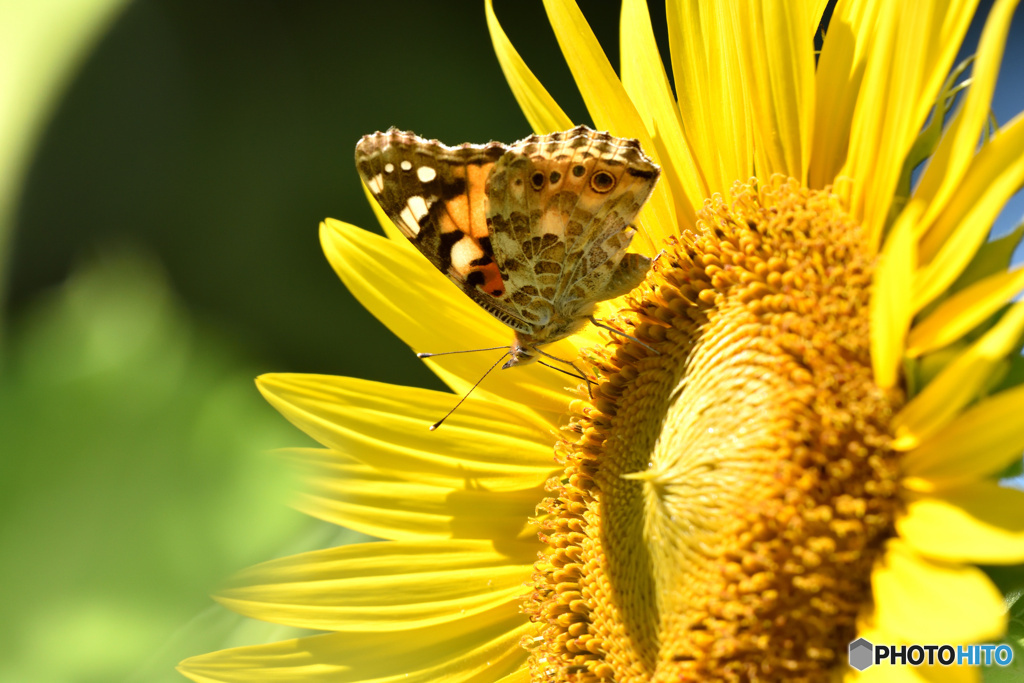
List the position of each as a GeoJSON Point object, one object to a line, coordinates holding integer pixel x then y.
{"type": "Point", "coordinates": [435, 195]}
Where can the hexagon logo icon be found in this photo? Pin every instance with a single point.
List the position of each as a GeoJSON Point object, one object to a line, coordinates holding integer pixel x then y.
{"type": "Point", "coordinates": [861, 654]}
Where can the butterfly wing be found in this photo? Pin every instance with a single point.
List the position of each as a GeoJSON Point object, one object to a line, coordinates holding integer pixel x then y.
{"type": "Point", "coordinates": [560, 208]}
{"type": "Point", "coordinates": [435, 195]}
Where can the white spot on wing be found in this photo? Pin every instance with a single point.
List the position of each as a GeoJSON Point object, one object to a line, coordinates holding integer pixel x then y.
{"type": "Point", "coordinates": [418, 207]}
{"type": "Point", "coordinates": [409, 220]}
{"type": "Point", "coordinates": [425, 174]}
{"type": "Point", "coordinates": [389, 167]}
{"type": "Point", "coordinates": [463, 252]}
{"type": "Point", "coordinates": [406, 165]}
{"type": "Point", "coordinates": [376, 184]}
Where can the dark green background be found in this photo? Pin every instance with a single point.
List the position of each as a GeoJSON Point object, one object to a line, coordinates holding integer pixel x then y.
{"type": "Point", "coordinates": [217, 135]}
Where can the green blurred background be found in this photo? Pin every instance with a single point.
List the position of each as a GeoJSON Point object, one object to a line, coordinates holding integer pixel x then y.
{"type": "Point", "coordinates": [166, 166]}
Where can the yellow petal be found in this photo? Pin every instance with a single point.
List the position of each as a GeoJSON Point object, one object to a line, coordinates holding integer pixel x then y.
{"type": "Point", "coordinates": [386, 223]}
{"type": "Point", "coordinates": [776, 46]}
{"type": "Point", "coordinates": [958, 145]}
{"type": "Point", "coordinates": [994, 175]}
{"type": "Point", "coordinates": [521, 676]}
{"type": "Point", "coordinates": [959, 383]}
{"type": "Point", "coordinates": [815, 10]}
{"type": "Point", "coordinates": [490, 444]}
{"type": "Point", "coordinates": [884, 112]}
{"type": "Point", "coordinates": [710, 90]}
{"type": "Point", "coordinates": [945, 674]}
{"type": "Point", "coordinates": [429, 313]}
{"type": "Point", "coordinates": [890, 300]}
{"type": "Point", "coordinates": [430, 655]}
{"type": "Point", "coordinates": [964, 311]}
{"type": "Point", "coordinates": [982, 523]}
{"type": "Point", "coordinates": [981, 442]}
{"type": "Point", "coordinates": [644, 78]}
{"type": "Point", "coordinates": [907, 603]}
{"type": "Point", "coordinates": [907, 62]}
{"type": "Point", "coordinates": [349, 493]}
{"type": "Point", "coordinates": [927, 142]}
{"type": "Point", "coordinates": [540, 109]}
{"type": "Point", "coordinates": [838, 81]}
{"type": "Point", "coordinates": [385, 586]}
{"type": "Point", "coordinates": [951, 19]}
{"type": "Point", "coordinates": [609, 104]}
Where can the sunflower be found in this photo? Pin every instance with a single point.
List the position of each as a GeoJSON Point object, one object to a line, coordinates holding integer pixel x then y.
{"type": "Point", "coordinates": [801, 446]}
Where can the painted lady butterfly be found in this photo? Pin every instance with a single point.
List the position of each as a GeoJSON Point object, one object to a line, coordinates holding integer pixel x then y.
{"type": "Point", "coordinates": [535, 233]}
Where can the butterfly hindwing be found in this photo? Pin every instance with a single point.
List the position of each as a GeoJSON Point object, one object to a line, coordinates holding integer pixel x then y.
{"type": "Point", "coordinates": [560, 208]}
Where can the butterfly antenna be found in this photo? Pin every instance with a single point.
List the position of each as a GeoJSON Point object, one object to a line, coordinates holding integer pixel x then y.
{"type": "Point", "coordinates": [623, 334]}
{"type": "Point", "coordinates": [448, 353]}
{"type": "Point", "coordinates": [466, 395]}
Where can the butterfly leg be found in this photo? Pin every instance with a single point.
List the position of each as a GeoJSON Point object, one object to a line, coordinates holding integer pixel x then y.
{"type": "Point", "coordinates": [566, 372]}
{"type": "Point", "coordinates": [579, 373]}
{"type": "Point", "coordinates": [621, 333]}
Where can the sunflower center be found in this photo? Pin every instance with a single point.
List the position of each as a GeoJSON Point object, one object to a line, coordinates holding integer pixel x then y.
{"type": "Point", "coordinates": [725, 498]}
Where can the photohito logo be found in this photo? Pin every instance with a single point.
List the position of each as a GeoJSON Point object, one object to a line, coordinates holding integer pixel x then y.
{"type": "Point", "coordinates": [864, 654]}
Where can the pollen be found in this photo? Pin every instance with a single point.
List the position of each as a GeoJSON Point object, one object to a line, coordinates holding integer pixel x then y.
{"type": "Point", "coordinates": [724, 498]}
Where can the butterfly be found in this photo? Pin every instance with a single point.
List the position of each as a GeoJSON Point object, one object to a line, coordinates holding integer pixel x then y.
{"type": "Point", "coordinates": [534, 232]}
